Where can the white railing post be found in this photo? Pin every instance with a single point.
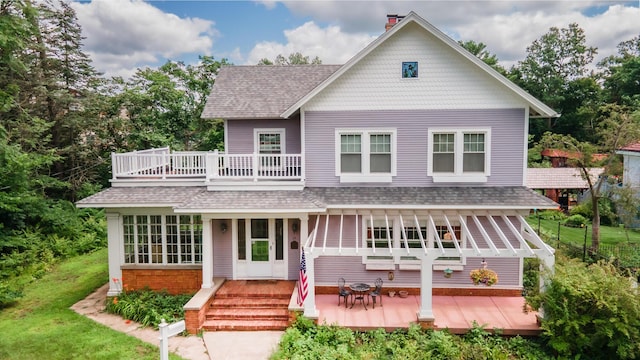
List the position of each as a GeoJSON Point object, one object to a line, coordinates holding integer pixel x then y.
{"type": "Point", "coordinates": [166, 331]}
{"type": "Point", "coordinates": [215, 164]}
{"type": "Point", "coordinates": [164, 340]}
{"type": "Point", "coordinates": [255, 166]}
{"type": "Point", "coordinates": [114, 166]}
{"type": "Point", "coordinates": [163, 165]}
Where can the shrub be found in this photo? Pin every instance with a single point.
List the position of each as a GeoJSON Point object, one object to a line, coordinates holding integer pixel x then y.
{"type": "Point", "coordinates": [148, 307]}
{"type": "Point", "coordinates": [607, 215]}
{"type": "Point", "coordinates": [8, 295]}
{"type": "Point", "coordinates": [576, 221]}
{"type": "Point", "coordinates": [552, 215]}
{"type": "Point", "coordinates": [591, 310]}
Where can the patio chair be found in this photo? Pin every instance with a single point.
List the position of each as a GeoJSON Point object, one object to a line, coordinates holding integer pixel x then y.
{"type": "Point", "coordinates": [343, 293]}
{"type": "Point", "coordinates": [377, 292]}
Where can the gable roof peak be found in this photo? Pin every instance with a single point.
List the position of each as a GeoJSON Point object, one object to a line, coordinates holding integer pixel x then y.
{"type": "Point", "coordinates": [539, 109]}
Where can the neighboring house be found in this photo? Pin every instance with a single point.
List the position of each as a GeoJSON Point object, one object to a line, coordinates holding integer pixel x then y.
{"type": "Point", "coordinates": [365, 167]}
{"type": "Point", "coordinates": [564, 185]}
{"type": "Point", "coordinates": [631, 172]}
{"type": "Point", "coordinates": [631, 159]}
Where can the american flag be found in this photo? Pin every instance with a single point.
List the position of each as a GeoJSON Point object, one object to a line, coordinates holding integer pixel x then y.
{"type": "Point", "coordinates": [302, 282]}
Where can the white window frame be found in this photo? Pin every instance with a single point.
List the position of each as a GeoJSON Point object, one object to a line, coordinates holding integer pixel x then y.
{"type": "Point", "coordinates": [366, 176]}
{"type": "Point", "coordinates": [458, 175]}
{"type": "Point", "coordinates": [259, 131]}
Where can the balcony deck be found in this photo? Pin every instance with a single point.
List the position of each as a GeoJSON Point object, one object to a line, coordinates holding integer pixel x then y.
{"type": "Point", "coordinates": [211, 168]}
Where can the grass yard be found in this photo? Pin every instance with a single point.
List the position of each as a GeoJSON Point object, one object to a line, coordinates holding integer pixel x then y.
{"type": "Point", "coordinates": [609, 235]}
{"type": "Point", "coordinates": [41, 325]}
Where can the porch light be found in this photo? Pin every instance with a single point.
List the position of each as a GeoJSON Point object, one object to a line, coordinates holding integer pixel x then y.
{"type": "Point", "coordinates": [223, 227]}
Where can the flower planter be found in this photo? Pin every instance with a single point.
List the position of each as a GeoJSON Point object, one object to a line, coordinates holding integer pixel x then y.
{"type": "Point", "coordinates": [392, 293]}
{"type": "Point", "coordinates": [403, 294]}
{"type": "Point", "coordinates": [447, 272]}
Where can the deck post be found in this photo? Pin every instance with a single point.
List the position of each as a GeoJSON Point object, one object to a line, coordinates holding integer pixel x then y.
{"type": "Point", "coordinates": [425, 313]}
{"type": "Point", "coordinates": [207, 254]}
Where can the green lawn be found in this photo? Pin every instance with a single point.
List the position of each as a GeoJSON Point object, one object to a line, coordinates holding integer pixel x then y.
{"type": "Point", "coordinates": [41, 325]}
{"type": "Point", "coordinates": [609, 235]}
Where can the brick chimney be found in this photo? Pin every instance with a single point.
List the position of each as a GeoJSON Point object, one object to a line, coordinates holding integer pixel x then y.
{"type": "Point", "coordinates": [392, 19]}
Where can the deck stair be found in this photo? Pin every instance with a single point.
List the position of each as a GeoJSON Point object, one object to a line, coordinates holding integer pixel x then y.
{"type": "Point", "coordinates": [250, 305]}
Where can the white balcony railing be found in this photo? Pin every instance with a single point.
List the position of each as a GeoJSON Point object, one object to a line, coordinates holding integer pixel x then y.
{"type": "Point", "coordinates": [162, 163]}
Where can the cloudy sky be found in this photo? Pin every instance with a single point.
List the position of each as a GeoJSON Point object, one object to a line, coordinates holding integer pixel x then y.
{"type": "Point", "coordinates": [123, 35]}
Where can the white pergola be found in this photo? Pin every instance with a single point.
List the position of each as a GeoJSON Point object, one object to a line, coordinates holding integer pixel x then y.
{"type": "Point", "coordinates": [514, 226]}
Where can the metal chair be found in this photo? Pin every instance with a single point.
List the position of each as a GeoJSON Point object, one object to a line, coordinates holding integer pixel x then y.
{"type": "Point", "coordinates": [343, 293]}
{"type": "Point", "coordinates": [377, 292]}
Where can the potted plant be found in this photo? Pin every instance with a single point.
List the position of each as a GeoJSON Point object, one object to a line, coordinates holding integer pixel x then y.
{"type": "Point", "coordinates": [447, 272]}
{"type": "Point", "coordinates": [484, 276]}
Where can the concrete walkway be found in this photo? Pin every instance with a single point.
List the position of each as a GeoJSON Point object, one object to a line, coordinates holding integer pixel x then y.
{"type": "Point", "coordinates": [212, 345]}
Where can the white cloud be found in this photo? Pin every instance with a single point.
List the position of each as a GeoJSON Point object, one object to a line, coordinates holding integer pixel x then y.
{"type": "Point", "coordinates": [122, 35]}
{"type": "Point", "coordinates": [329, 44]}
{"type": "Point", "coordinates": [507, 27]}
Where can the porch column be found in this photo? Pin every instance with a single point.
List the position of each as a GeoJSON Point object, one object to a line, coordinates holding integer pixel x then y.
{"type": "Point", "coordinates": [310, 309]}
{"type": "Point", "coordinates": [115, 248]}
{"type": "Point", "coordinates": [207, 254]}
{"type": "Point", "coordinates": [425, 314]}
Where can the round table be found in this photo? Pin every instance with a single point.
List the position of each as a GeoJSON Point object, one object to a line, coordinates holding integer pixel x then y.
{"type": "Point", "coordinates": [360, 290]}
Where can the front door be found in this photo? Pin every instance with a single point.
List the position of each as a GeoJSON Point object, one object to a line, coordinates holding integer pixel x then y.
{"type": "Point", "coordinates": [261, 249]}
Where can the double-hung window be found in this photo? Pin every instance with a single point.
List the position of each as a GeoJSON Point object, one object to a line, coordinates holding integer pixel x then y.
{"type": "Point", "coordinates": [365, 155]}
{"type": "Point", "coordinates": [459, 155]}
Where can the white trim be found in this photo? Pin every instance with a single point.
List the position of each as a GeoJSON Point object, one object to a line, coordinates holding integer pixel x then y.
{"type": "Point", "coordinates": [366, 176]}
{"type": "Point", "coordinates": [525, 142]}
{"type": "Point", "coordinates": [412, 17]}
{"type": "Point", "coordinates": [459, 176]}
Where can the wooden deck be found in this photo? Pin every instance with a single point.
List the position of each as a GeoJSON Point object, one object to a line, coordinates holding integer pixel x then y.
{"type": "Point", "coordinates": [456, 313]}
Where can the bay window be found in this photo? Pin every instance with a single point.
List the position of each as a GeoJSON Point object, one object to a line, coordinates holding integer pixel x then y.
{"type": "Point", "coordinates": [162, 239]}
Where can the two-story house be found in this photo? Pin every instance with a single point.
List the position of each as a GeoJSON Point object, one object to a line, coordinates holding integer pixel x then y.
{"type": "Point", "coordinates": [407, 160]}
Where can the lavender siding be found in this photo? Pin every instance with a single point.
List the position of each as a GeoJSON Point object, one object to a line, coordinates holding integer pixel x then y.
{"type": "Point", "coordinates": [330, 268]}
{"type": "Point", "coordinates": [507, 142]}
{"type": "Point", "coordinates": [240, 138]}
{"type": "Point", "coordinates": [222, 251]}
{"type": "Point", "coordinates": [293, 255]}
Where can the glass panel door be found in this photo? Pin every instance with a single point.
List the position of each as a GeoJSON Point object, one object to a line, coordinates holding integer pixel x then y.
{"type": "Point", "coordinates": [261, 256]}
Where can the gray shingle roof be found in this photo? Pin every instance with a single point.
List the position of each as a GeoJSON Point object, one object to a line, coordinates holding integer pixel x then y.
{"type": "Point", "coordinates": [310, 199]}
{"type": "Point", "coordinates": [261, 91]}
{"type": "Point", "coordinates": [469, 197]}
{"type": "Point", "coordinates": [141, 196]}
{"type": "Point", "coordinates": [248, 200]}
{"type": "Point", "coordinates": [560, 178]}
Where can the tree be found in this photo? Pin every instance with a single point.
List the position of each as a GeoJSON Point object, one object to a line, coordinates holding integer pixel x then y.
{"type": "Point", "coordinates": [294, 59]}
{"type": "Point", "coordinates": [553, 65]}
{"type": "Point", "coordinates": [622, 73]}
{"type": "Point", "coordinates": [481, 52]}
{"type": "Point", "coordinates": [627, 201]}
{"type": "Point", "coordinates": [618, 127]}
{"type": "Point", "coordinates": [163, 106]}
